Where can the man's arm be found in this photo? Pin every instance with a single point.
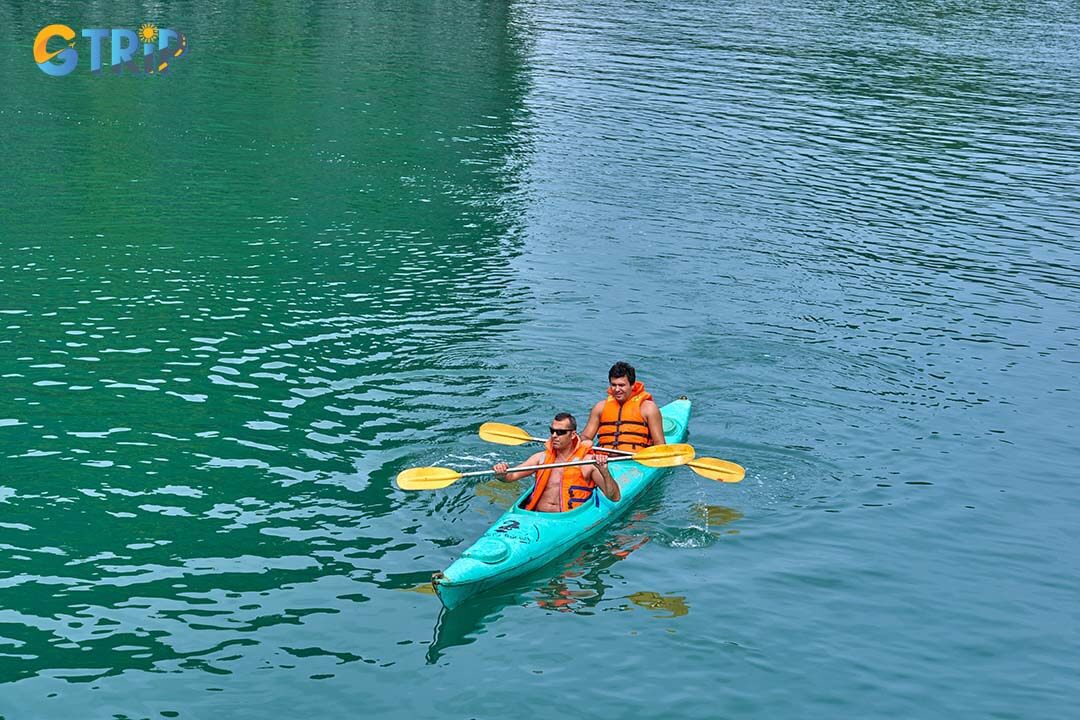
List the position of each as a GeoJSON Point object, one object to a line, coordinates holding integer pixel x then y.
{"type": "Point", "coordinates": [600, 475]}
{"type": "Point", "coordinates": [594, 421]}
{"type": "Point", "coordinates": [654, 420]}
{"type": "Point", "coordinates": [501, 468]}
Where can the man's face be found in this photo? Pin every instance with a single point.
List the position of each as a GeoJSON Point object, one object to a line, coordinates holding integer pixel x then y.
{"type": "Point", "coordinates": [561, 434]}
{"type": "Point", "coordinates": [620, 388]}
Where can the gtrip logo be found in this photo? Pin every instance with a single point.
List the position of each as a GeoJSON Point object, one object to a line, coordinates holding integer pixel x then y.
{"type": "Point", "coordinates": [148, 50]}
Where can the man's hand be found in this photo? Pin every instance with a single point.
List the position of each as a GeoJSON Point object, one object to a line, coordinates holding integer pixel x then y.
{"type": "Point", "coordinates": [604, 481]}
{"type": "Point", "coordinates": [500, 470]}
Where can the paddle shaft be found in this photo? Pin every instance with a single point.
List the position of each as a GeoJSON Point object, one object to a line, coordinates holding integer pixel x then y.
{"type": "Point", "coordinates": [598, 448]}
{"type": "Point", "coordinates": [530, 468]}
{"type": "Point", "coordinates": [712, 468]}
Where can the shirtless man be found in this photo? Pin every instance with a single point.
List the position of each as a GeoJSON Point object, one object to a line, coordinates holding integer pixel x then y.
{"type": "Point", "coordinates": [562, 489]}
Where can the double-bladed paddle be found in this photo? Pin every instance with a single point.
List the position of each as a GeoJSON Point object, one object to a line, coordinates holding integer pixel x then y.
{"type": "Point", "coordinates": [712, 468]}
{"type": "Point", "coordinates": [435, 478]}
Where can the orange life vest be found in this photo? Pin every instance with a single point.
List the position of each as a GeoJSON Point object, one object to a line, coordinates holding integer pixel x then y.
{"type": "Point", "coordinates": [576, 489]}
{"type": "Point", "coordinates": [623, 426]}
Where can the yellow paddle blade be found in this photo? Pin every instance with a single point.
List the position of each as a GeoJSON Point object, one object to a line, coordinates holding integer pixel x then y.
{"type": "Point", "coordinates": [503, 434]}
{"type": "Point", "coordinates": [716, 469]}
{"type": "Point", "coordinates": [664, 455]}
{"type": "Point", "coordinates": [426, 478]}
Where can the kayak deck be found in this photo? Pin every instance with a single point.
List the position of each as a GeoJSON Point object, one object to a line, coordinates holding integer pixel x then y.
{"type": "Point", "coordinates": [524, 540]}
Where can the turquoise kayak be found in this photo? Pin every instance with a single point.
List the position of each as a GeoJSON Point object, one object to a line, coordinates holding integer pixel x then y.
{"type": "Point", "coordinates": [521, 541]}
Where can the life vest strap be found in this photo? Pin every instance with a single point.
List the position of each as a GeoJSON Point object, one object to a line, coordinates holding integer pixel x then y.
{"type": "Point", "coordinates": [571, 500]}
{"type": "Point", "coordinates": [618, 423]}
{"type": "Point", "coordinates": [612, 435]}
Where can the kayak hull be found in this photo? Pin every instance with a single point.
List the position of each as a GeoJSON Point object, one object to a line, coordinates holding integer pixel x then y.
{"type": "Point", "coordinates": [521, 541]}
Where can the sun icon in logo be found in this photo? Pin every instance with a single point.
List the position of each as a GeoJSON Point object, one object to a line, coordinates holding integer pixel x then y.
{"type": "Point", "coordinates": [148, 32]}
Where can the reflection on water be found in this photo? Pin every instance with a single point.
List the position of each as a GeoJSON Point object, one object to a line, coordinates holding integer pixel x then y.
{"type": "Point", "coordinates": [674, 605]}
{"type": "Point", "coordinates": [715, 516]}
{"type": "Point", "coordinates": [464, 624]}
{"type": "Point", "coordinates": [501, 494]}
{"type": "Point", "coordinates": [576, 584]}
{"type": "Point", "coordinates": [584, 578]}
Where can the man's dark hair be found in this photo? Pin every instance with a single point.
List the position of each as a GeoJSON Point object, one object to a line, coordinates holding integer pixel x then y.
{"type": "Point", "coordinates": [567, 416]}
{"type": "Point", "coordinates": [621, 369]}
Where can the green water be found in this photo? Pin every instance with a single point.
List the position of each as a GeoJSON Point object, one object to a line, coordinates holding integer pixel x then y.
{"type": "Point", "coordinates": [235, 301]}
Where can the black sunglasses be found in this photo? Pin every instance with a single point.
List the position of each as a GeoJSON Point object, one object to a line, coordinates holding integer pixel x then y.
{"type": "Point", "coordinates": [559, 431]}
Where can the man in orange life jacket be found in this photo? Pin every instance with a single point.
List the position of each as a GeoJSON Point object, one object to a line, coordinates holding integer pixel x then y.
{"type": "Point", "coordinates": [562, 489]}
{"type": "Point", "coordinates": [627, 419]}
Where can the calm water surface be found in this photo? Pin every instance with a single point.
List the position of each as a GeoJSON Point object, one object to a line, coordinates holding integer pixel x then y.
{"type": "Point", "coordinates": [236, 301]}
